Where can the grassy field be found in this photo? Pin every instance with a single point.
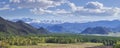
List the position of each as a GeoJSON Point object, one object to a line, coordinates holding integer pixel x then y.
{"type": "Point", "coordinates": [52, 45]}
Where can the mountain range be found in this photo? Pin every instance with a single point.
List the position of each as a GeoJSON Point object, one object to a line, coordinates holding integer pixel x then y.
{"type": "Point", "coordinates": [113, 26]}
{"type": "Point", "coordinates": [19, 28]}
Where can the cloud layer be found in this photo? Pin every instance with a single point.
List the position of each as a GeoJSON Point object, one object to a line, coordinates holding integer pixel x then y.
{"type": "Point", "coordinates": [43, 7]}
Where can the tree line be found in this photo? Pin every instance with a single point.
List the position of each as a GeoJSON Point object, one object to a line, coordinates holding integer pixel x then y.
{"type": "Point", "coordinates": [6, 41]}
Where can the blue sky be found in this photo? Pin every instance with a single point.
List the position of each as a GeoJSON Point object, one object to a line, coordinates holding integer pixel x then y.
{"type": "Point", "coordinates": [64, 10]}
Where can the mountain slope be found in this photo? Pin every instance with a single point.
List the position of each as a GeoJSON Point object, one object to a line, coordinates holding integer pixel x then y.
{"type": "Point", "coordinates": [96, 30]}
{"type": "Point", "coordinates": [18, 28]}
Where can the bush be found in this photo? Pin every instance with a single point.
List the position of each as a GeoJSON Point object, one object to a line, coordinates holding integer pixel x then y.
{"type": "Point", "coordinates": [4, 45]}
{"type": "Point", "coordinates": [117, 46]}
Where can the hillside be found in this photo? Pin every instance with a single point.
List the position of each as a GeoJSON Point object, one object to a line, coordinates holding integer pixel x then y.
{"type": "Point", "coordinates": [18, 28]}
{"type": "Point", "coordinates": [96, 30]}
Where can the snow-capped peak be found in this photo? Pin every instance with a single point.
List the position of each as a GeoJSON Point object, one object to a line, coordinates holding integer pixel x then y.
{"type": "Point", "coordinates": [29, 20]}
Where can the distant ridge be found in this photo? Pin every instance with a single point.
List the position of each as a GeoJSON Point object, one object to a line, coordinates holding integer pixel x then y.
{"type": "Point", "coordinates": [96, 30]}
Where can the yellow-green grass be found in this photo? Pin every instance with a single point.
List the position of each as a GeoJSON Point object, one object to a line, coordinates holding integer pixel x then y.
{"type": "Point", "coordinates": [53, 45]}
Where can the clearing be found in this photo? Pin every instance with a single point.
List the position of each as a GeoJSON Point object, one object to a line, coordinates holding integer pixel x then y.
{"type": "Point", "coordinates": [53, 45]}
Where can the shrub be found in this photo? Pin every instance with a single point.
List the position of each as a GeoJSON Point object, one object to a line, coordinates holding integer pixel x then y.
{"type": "Point", "coordinates": [4, 45]}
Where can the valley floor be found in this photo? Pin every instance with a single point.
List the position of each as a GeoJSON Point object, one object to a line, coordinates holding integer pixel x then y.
{"type": "Point", "coordinates": [52, 45]}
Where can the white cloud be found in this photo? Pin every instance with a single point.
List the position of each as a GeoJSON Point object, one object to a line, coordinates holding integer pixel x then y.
{"type": "Point", "coordinates": [40, 11]}
{"type": "Point", "coordinates": [73, 6]}
{"type": "Point", "coordinates": [44, 4]}
{"type": "Point", "coordinates": [94, 9]}
{"type": "Point", "coordinates": [45, 11]}
{"type": "Point", "coordinates": [5, 7]}
{"type": "Point", "coordinates": [90, 9]}
{"type": "Point", "coordinates": [40, 6]}
{"type": "Point", "coordinates": [61, 11]}
{"type": "Point", "coordinates": [94, 5]}
{"type": "Point", "coordinates": [15, 1]}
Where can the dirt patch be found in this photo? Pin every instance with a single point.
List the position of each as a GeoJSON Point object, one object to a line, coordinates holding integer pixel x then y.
{"type": "Point", "coordinates": [101, 47]}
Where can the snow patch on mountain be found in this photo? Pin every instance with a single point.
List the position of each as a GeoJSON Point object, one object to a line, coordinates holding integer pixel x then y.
{"type": "Point", "coordinates": [29, 20]}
